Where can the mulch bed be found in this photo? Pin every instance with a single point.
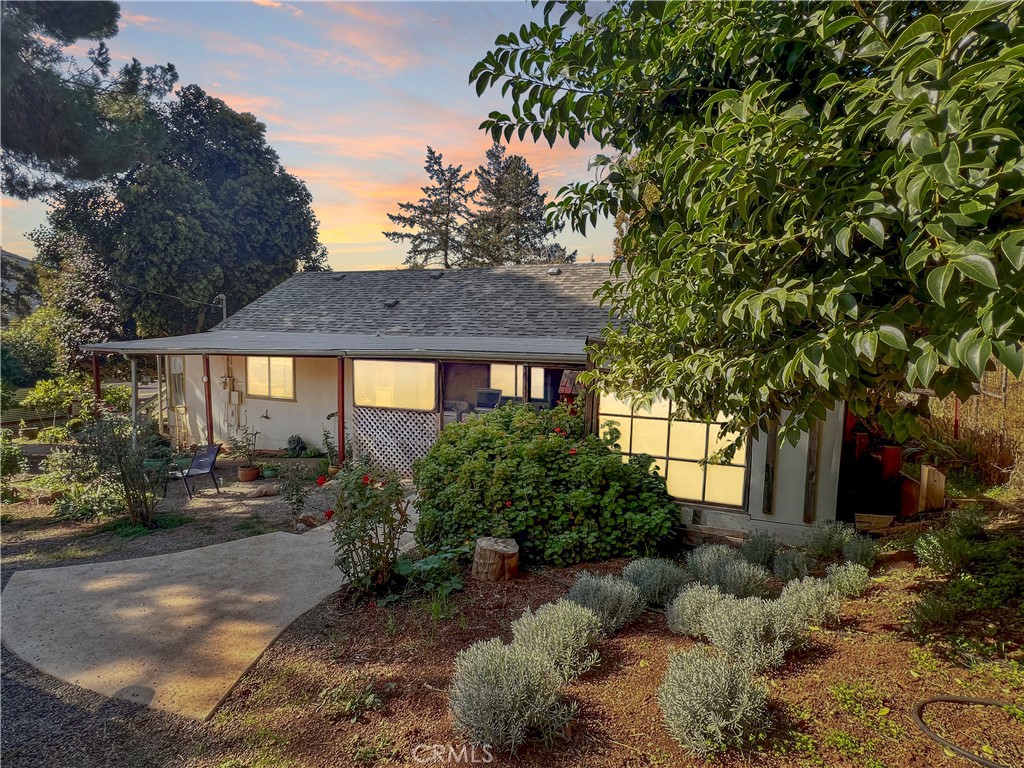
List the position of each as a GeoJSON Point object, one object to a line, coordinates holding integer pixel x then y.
{"type": "Point", "coordinates": [272, 717]}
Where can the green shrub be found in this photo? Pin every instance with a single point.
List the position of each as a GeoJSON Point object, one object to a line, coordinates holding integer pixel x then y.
{"type": "Point", "coordinates": [862, 550]}
{"type": "Point", "coordinates": [502, 695]}
{"type": "Point", "coordinates": [740, 578]}
{"type": "Point", "coordinates": [119, 398]}
{"type": "Point", "coordinates": [352, 698]}
{"type": "Point", "coordinates": [439, 574]}
{"type": "Point", "coordinates": [370, 517]}
{"type": "Point", "coordinates": [563, 632]}
{"type": "Point", "coordinates": [55, 435]}
{"type": "Point", "coordinates": [944, 551]}
{"type": "Point", "coordinates": [932, 612]}
{"type": "Point", "coordinates": [79, 501]}
{"type": "Point", "coordinates": [810, 602]}
{"type": "Point", "coordinates": [827, 538]}
{"type": "Point", "coordinates": [702, 561]}
{"type": "Point", "coordinates": [615, 600]}
{"type": "Point", "coordinates": [657, 579]}
{"type": "Point", "coordinates": [296, 446]}
{"type": "Point", "coordinates": [760, 549]}
{"type": "Point", "coordinates": [565, 496]}
{"type": "Point", "coordinates": [967, 521]}
{"type": "Point", "coordinates": [64, 466]}
{"type": "Point", "coordinates": [12, 458]}
{"type": "Point", "coordinates": [848, 579]}
{"type": "Point", "coordinates": [685, 614]}
{"type": "Point", "coordinates": [710, 705]}
{"type": "Point", "coordinates": [791, 564]}
{"type": "Point", "coordinates": [752, 632]}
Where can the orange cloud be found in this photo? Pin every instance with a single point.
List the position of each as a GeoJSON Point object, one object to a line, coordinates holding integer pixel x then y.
{"type": "Point", "coordinates": [138, 19]}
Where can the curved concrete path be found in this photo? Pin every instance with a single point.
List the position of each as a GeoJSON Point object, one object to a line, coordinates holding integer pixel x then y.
{"type": "Point", "coordinates": [175, 631]}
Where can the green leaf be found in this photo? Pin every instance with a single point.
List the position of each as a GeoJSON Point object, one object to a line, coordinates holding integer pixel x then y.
{"type": "Point", "coordinates": [924, 25]}
{"type": "Point", "coordinates": [1013, 248]}
{"type": "Point", "coordinates": [938, 282]}
{"type": "Point", "coordinates": [976, 356]}
{"type": "Point", "coordinates": [947, 170]}
{"type": "Point", "coordinates": [1011, 355]}
{"type": "Point", "coordinates": [893, 336]}
{"type": "Point", "coordinates": [977, 268]}
{"type": "Point", "coordinates": [926, 365]}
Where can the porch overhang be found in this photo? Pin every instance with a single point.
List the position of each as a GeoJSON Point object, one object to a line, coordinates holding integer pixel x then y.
{"type": "Point", "coordinates": [569, 351]}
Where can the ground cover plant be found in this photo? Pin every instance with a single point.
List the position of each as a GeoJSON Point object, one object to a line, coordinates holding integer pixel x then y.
{"type": "Point", "coordinates": [564, 495]}
{"type": "Point", "coordinates": [658, 579]}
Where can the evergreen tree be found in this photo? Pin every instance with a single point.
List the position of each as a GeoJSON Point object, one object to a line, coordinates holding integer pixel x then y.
{"type": "Point", "coordinates": [62, 120]}
{"type": "Point", "coordinates": [509, 226]}
{"type": "Point", "coordinates": [438, 220]}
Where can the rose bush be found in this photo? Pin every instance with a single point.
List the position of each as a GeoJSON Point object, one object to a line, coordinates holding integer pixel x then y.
{"type": "Point", "coordinates": [565, 496]}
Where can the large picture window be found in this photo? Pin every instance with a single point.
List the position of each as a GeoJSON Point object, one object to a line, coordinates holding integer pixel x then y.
{"type": "Point", "coordinates": [678, 447]}
{"type": "Point", "coordinates": [270, 377]}
{"type": "Point", "coordinates": [395, 384]}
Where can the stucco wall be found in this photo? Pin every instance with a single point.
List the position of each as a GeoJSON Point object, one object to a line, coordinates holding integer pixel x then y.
{"type": "Point", "coordinates": [316, 395]}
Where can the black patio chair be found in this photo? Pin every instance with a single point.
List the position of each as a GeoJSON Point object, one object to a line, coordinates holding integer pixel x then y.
{"type": "Point", "coordinates": [203, 462]}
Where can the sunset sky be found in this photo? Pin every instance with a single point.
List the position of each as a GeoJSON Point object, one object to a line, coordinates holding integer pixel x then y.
{"type": "Point", "coordinates": [351, 94]}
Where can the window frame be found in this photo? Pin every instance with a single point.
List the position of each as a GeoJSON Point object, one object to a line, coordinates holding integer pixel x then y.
{"type": "Point", "coordinates": [666, 457]}
{"type": "Point", "coordinates": [268, 396]}
{"type": "Point", "coordinates": [437, 386]}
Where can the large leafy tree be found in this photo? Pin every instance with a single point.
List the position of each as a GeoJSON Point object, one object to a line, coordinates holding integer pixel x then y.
{"type": "Point", "coordinates": [435, 226]}
{"type": "Point", "coordinates": [508, 225]}
{"type": "Point", "coordinates": [62, 120]}
{"type": "Point", "coordinates": [216, 213]}
{"type": "Point", "coordinates": [824, 200]}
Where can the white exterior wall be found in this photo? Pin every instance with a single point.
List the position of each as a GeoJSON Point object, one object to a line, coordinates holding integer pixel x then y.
{"type": "Point", "coordinates": [787, 519]}
{"type": "Point", "coordinates": [316, 395]}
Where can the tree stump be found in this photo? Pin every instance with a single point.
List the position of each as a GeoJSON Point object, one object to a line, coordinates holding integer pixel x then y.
{"type": "Point", "coordinates": [495, 559]}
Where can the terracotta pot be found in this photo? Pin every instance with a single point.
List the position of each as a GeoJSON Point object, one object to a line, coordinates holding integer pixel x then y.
{"type": "Point", "coordinates": [248, 474]}
{"type": "Point", "coordinates": [333, 469]}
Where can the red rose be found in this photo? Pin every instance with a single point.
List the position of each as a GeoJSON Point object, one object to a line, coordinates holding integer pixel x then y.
{"type": "Point", "coordinates": [328, 514]}
{"type": "Point", "coordinates": [572, 451]}
{"type": "Point", "coordinates": [321, 480]}
{"type": "Point", "coordinates": [366, 479]}
{"type": "Point", "coordinates": [508, 503]}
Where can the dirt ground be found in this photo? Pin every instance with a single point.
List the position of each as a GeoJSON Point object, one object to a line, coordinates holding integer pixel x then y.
{"type": "Point", "coordinates": [31, 537]}
{"type": "Point", "coordinates": [843, 703]}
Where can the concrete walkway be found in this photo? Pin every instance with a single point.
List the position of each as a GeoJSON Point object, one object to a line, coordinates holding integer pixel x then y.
{"type": "Point", "coordinates": [175, 631]}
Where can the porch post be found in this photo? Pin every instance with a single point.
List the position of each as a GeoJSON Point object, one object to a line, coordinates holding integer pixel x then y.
{"type": "Point", "coordinates": [96, 388]}
{"type": "Point", "coordinates": [160, 393]}
{"type": "Point", "coordinates": [341, 411]}
{"type": "Point", "coordinates": [209, 400]}
{"type": "Point", "coordinates": [134, 362]}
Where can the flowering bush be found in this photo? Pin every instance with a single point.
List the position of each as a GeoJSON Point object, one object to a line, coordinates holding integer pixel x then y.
{"type": "Point", "coordinates": [565, 496]}
{"type": "Point", "coordinates": [369, 519]}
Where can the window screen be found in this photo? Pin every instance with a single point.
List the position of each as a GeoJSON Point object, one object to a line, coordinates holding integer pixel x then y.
{"type": "Point", "coordinates": [395, 384]}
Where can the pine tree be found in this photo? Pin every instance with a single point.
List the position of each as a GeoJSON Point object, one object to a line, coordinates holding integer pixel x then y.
{"type": "Point", "coordinates": [438, 220]}
{"type": "Point", "coordinates": [509, 226]}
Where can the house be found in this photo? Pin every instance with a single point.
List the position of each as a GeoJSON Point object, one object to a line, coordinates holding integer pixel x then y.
{"type": "Point", "coordinates": [385, 359]}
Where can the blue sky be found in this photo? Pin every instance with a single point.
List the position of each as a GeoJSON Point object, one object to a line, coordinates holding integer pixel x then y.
{"type": "Point", "coordinates": [351, 93]}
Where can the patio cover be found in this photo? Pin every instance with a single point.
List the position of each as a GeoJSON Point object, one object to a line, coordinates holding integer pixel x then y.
{"type": "Point", "coordinates": [570, 351]}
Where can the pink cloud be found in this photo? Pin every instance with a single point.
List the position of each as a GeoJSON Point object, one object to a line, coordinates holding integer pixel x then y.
{"type": "Point", "coordinates": [138, 20]}
{"type": "Point", "coordinates": [283, 6]}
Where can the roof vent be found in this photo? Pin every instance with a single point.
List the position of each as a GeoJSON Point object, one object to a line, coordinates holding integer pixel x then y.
{"type": "Point", "coordinates": [555, 271]}
{"type": "Point", "coordinates": [391, 303]}
{"type": "Point", "coordinates": [436, 275]}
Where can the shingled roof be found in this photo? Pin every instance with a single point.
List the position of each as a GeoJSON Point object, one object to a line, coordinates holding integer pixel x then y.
{"type": "Point", "coordinates": [538, 313]}
{"type": "Point", "coordinates": [533, 301]}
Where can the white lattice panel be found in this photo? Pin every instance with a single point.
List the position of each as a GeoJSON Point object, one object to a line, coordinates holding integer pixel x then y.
{"type": "Point", "coordinates": [393, 439]}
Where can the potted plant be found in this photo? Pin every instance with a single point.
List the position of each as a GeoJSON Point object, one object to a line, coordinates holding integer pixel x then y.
{"type": "Point", "coordinates": [243, 446]}
{"type": "Point", "coordinates": [271, 470]}
{"type": "Point", "coordinates": [333, 467]}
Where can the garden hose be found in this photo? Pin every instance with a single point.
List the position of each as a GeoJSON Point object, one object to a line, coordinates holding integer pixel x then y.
{"type": "Point", "coordinates": [918, 712]}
